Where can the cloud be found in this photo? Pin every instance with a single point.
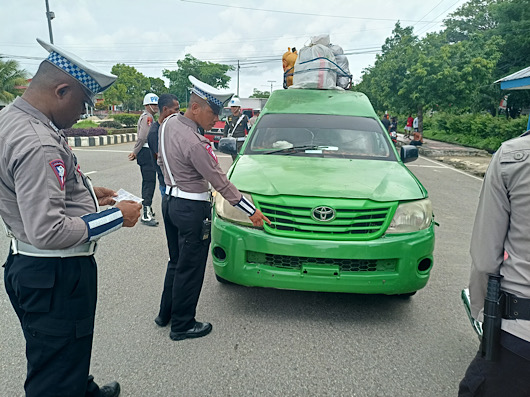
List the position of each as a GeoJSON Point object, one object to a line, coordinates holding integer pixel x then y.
{"type": "Point", "coordinates": [153, 36]}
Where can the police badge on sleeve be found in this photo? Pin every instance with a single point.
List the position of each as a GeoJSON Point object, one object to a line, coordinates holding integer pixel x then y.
{"type": "Point", "coordinates": [59, 170]}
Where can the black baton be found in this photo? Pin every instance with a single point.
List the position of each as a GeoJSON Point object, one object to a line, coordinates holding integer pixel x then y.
{"type": "Point", "coordinates": [492, 318]}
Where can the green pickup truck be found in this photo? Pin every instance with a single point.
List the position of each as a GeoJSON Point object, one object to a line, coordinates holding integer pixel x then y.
{"type": "Point", "coordinates": [346, 213]}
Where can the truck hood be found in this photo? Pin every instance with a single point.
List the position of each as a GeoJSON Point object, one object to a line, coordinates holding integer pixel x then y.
{"type": "Point", "coordinates": [376, 180]}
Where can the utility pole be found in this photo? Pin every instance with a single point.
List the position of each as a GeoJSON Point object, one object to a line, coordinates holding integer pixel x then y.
{"type": "Point", "coordinates": [50, 15]}
{"type": "Point", "coordinates": [238, 78]}
{"type": "Point", "coordinates": [271, 81]}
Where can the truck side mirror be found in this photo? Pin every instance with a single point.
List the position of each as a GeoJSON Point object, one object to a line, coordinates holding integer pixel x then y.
{"type": "Point", "coordinates": [228, 145]}
{"type": "Point", "coordinates": [409, 153]}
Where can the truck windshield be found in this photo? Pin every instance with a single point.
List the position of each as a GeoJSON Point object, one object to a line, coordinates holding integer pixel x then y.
{"type": "Point", "coordinates": [320, 135]}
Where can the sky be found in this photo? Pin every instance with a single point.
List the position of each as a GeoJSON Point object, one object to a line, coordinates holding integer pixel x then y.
{"type": "Point", "coordinates": [154, 35]}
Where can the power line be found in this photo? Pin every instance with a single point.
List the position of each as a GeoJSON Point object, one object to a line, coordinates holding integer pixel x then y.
{"type": "Point", "coordinates": [300, 13]}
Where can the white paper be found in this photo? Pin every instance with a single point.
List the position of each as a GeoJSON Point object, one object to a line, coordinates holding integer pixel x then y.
{"type": "Point", "coordinates": [125, 195]}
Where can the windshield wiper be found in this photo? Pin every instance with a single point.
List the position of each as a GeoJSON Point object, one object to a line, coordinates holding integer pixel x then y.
{"type": "Point", "coordinates": [294, 149]}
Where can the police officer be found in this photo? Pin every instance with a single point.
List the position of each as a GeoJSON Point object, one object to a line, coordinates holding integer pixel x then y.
{"type": "Point", "coordinates": [500, 244]}
{"type": "Point", "coordinates": [167, 105]}
{"type": "Point", "coordinates": [143, 156]}
{"type": "Point", "coordinates": [189, 164]}
{"type": "Point", "coordinates": [236, 124]}
{"type": "Point", "coordinates": [51, 213]}
{"type": "Point", "coordinates": [254, 118]}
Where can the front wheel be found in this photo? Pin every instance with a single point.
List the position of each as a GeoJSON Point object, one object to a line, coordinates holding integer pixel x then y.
{"type": "Point", "coordinates": [222, 280]}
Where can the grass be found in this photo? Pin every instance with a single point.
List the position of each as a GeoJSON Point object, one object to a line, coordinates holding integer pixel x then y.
{"type": "Point", "coordinates": [85, 124]}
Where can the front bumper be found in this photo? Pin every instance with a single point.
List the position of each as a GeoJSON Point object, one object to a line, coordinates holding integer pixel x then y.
{"type": "Point", "coordinates": [392, 264]}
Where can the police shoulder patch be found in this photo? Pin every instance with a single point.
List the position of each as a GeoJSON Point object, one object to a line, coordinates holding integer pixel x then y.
{"type": "Point", "coordinates": [59, 170]}
{"type": "Point", "coordinates": [210, 152]}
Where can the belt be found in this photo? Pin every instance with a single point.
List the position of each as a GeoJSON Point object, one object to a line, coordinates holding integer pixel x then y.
{"type": "Point", "coordinates": [515, 308]}
{"type": "Point", "coordinates": [146, 145]}
{"type": "Point", "coordinates": [176, 192]}
{"type": "Point", "coordinates": [20, 247]}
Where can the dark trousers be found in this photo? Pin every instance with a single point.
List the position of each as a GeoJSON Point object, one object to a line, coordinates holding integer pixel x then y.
{"type": "Point", "coordinates": [188, 252]}
{"type": "Point", "coordinates": [147, 169]}
{"type": "Point", "coordinates": [508, 376]}
{"type": "Point", "coordinates": [55, 301]}
{"type": "Point", "coordinates": [239, 145]}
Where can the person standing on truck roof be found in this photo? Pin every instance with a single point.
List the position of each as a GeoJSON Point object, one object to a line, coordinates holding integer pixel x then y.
{"type": "Point", "coordinates": [236, 124]}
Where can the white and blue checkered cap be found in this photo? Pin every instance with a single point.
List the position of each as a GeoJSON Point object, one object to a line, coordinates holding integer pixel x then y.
{"type": "Point", "coordinates": [94, 80]}
{"type": "Point", "coordinates": [215, 98]}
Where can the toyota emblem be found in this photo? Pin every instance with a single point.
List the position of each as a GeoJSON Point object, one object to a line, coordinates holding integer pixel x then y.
{"type": "Point", "coordinates": [323, 214]}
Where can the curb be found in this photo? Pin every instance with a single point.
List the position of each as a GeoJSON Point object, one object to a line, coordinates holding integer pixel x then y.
{"type": "Point", "coordinates": [100, 140]}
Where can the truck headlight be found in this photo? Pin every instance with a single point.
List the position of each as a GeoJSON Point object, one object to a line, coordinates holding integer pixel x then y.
{"type": "Point", "coordinates": [230, 213]}
{"type": "Point", "coordinates": [411, 217]}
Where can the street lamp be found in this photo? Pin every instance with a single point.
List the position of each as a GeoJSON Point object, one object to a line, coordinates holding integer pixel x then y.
{"type": "Point", "coordinates": [49, 15]}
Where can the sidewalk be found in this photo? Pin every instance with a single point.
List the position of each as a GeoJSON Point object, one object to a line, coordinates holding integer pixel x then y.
{"type": "Point", "coordinates": [100, 140]}
{"type": "Point", "coordinates": [474, 161]}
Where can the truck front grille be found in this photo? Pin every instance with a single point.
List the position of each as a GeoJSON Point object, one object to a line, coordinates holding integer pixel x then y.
{"type": "Point", "coordinates": [349, 223]}
{"type": "Point", "coordinates": [345, 265]}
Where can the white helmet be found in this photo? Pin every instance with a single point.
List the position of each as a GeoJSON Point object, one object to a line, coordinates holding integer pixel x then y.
{"type": "Point", "coordinates": [235, 102]}
{"type": "Point", "coordinates": [151, 99]}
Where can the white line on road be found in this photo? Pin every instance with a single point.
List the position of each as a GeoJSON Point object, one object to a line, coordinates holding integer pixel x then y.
{"type": "Point", "coordinates": [99, 150]}
{"type": "Point", "coordinates": [90, 172]}
{"type": "Point", "coordinates": [441, 165]}
{"type": "Point", "coordinates": [424, 166]}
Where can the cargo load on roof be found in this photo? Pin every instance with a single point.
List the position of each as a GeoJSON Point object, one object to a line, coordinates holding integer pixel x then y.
{"type": "Point", "coordinates": [319, 65]}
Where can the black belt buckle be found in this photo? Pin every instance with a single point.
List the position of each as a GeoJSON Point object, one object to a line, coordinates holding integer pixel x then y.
{"type": "Point", "coordinates": [206, 227]}
{"type": "Point", "coordinates": [516, 308]}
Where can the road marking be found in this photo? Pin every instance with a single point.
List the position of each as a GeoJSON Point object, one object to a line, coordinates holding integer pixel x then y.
{"type": "Point", "coordinates": [90, 172]}
{"type": "Point", "coordinates": [99, 150]}
{"type": "Point", "coordinates": [424, 166]}
{"type": "Point", "coordinates": [441, 165]}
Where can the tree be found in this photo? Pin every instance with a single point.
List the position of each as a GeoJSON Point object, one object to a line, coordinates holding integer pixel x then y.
{"type": "Point", "coordinates": [157, 86]}
{"type": "Point", "coordinates": [11, 77]}
{"type": "Point", "coordinates": [211, 73]}
{"type": "Point", "coordinates": [383, 81]}
{"type": "Point", "coordinates": [472, 18]}
{"type": "Point", "coordinates": [129, 89]}
{"type": "Point", "coordinates": [509, 19]}
{"type": "Point", "coordinates": [260, 94]}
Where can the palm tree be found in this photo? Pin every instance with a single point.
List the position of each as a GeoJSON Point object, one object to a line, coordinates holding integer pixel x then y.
{"type": "Point", "coordinates": [11, 77]}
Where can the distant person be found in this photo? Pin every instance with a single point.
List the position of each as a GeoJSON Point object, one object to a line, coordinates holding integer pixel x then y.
{"type": "Point", "coordinates": [254, 118]}
{"type": "Point", "coordinates": [386, 122]}
{"type": "Point", "coordinates": [418, 135]}
{"type": "Point", "coordinates": [415, 124]}
{"type": "Point", "coordinates": [143, 157]}
{"type": "Point", "coordinates": [408, 127]}
{"type": "Point", "coordinates": [236, 124]}
{"type": "Point", "coordinates": [417, 139]}
{"type": "Point", "coordinates": [167, 105]}
{"type": "Point", "coordinates": [393, 130]}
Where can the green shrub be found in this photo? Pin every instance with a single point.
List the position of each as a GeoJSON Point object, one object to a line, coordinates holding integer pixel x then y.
{"type": "Point", "coordinates": [110, 124]}
{"type": "Point", "coordinates": [85, 124]}
{"type": "Point", "coordinates": [127, 119]}
{"type": "Point", "coordinates": [482, 131]}
{"type": "Point", "coordinates": [131, 130]}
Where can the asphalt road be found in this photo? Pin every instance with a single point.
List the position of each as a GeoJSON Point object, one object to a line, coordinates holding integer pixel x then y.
{"type": "Point", "coordinates": [269, 342]}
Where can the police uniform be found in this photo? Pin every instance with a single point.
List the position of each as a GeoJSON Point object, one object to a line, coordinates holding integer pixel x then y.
{"type": "Point", "coordinates": [152, 141]}
{"type": "Point", "coordinates": [189, 164]}
{"type": "Point", "coordinates": [145, 161]}
{"type": "Point", "coordinates": [500, 244]}
{"type": "Point", "coordinates": [237, 127]}
{"type": "Point", "coordinates": [51, 215]}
